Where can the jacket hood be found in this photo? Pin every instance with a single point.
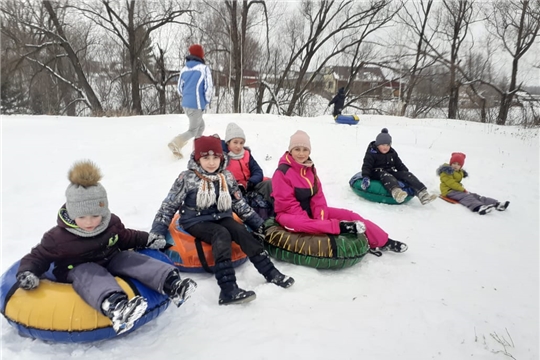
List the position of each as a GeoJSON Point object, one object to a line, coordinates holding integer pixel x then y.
{"type": "Point", "coordinates": [63, 220]}
{"type": "Point", "coordinates": [194, 60]}
{"type": "Point", "coordinates": [447, 168]}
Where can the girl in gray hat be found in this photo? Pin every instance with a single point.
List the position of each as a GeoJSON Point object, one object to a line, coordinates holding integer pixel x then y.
{"type": "Point", "coordinates": [88, 247]}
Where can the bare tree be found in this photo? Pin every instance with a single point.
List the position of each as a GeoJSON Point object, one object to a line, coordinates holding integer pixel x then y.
{"type": "Point", "coordinates": [333, 28]}
{"type": "Point", "coordinates": [132, 22]}
{"type": "Point", "coordinates": [456, 20]}
{"type": "Point", "coordinates": [38, 35]}
{"type": "Point", "coordinates": [517, 25]}
{"type": "Point", "coordinates": [416, 17]}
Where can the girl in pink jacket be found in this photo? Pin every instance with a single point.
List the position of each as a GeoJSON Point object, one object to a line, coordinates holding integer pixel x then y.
{"type": "Point", "coordinates": [300, 204]}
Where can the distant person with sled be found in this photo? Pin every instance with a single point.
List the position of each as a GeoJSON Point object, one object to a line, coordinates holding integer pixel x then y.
{"type": "Point", "coordinates": [206, 195]}
{"type": "Point", "coordinates": [382, 162]}
{"type": "Point", "coordinates": [451, 175]}
{"type": "Point", "coordinates": [89, 246]}
{"type": "Point", "coordinates": [300, 204]}
{"type": "Point", "coordinates": [338, 101]}
{"type": "Point", "coordinates": [246, 171]}
{"type": "Point", "coordinates": [195, 87]}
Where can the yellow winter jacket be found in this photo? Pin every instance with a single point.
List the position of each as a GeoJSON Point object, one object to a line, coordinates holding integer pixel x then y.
{"type": "Point", "coordinates": [450, 179]}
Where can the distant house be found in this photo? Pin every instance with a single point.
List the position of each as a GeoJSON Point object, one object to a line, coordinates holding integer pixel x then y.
{"type": "Point", "coordinates": [250, 78]}
{"type": "Point", "coordinates": [369, 80]}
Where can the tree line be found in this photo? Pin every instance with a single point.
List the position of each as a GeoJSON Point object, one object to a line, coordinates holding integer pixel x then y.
{"type": "Point", "coordinates": [108, 57]}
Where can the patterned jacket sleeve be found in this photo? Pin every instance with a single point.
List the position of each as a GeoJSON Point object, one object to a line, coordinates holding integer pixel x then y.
{"type": "Point", "coordinates": [209, 85]}
{"type": "Point", "coordinates": [180, 85]}
{"type": "Point", "coordinates": [170, 205]}
{"type": "Point", "coordinates": [239, 204]}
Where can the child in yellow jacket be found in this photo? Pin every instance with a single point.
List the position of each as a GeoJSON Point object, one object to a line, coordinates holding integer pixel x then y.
{"type": "Point", "coordinates": [451, 187]}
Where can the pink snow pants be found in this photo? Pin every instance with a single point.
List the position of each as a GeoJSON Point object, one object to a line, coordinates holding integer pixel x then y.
{"type": "Point", "coordinates": [376, 236]}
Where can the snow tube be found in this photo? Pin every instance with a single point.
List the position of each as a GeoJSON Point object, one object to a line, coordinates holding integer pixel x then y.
{"type": "Point", "coordinates": [347, 119]}
{"type": "Point", "coordinates": [55, 312]}
{"type": "Point", "coordinates": [376, 191]}
{"type": "Point", "coordinates": [320, 251]}
{"type": "Point", "coordinates": [192, 255]}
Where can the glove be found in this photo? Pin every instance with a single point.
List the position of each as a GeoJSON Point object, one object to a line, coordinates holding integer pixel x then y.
{"type": "Point", "coordinates": [365, 183]}
{"type": "Point", "coordinates": [250, 186]}
{"type": "Point", "coordinates": [242, 189]}
{"type": "Point", "coordinates": [27, 280]}
{"type": "Point", "coordinates": [259, 234]}
{"type": "Point", "coordinates": [156, 241]}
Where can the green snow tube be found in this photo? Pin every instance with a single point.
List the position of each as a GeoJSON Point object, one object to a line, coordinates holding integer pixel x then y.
{"type": "Point", "coordinates": [320, 251]}
{"type": "Point", "coordinates": [376, 192]}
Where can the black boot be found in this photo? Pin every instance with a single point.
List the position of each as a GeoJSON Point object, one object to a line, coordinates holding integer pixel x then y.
{"type": "Point", "coordinates": [230, 292]}
{"type": "Point", "coordinates": [265, 266]}
{"type": "Point", "coordinates": [177, 289]}
{"type": "Point", "coordinates": [123, 312]}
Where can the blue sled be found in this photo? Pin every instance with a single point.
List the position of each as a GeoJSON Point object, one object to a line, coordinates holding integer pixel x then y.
{"type": "Point", "coordinates": [347, 119]}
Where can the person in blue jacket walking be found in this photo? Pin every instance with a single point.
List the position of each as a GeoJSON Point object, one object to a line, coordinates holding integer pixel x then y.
{"type": "Point", "coordinates": [195, 87]}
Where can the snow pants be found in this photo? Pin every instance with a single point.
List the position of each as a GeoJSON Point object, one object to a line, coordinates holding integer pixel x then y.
{"type": "Point", "coordinates": [376, 236]}
{"type": "Point", "coordinates": [94, 283]}
{"type": "Point", "coordinates": [265, 189]}
{"type": "Point", "coordinates": [196, 127]}
{"type": "Point", "coordinates": [389, 179]}
{"type": "Point", "coordinates": [220, 235]}
{"type": "Point", "coordinates": [470, 200]}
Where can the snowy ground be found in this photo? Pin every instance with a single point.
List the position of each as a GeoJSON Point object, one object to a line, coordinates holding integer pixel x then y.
{"type": "Point", "coordinates": [466, 281]}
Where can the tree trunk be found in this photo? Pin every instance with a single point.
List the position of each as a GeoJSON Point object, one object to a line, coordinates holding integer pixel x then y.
{"type": "Point", "coordinates": [134, 62]}
{"type": "Point", "coordinates": [96, 108]}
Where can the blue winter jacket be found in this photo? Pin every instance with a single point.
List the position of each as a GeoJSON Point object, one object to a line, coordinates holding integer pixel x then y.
{"type": "Point", "coordinates": [195, 84]}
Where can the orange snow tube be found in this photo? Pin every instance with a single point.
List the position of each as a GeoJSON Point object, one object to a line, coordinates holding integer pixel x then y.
{"type": "Point", "coordinates": [193, 255]}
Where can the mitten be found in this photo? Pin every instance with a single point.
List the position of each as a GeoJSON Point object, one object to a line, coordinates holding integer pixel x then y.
{"type": "Point", "coordinates": [242, 189]}
{"type": "Point", "coordinates": [156, 241]}
{"type": "Point", "coordinates": [259, 234]}
{"type": "Point", "coordinates": [27, 280]}
{"type": "Point", "coordinates": [365, 183]}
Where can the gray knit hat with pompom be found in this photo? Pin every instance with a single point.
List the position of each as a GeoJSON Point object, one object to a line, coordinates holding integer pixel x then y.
{"type": "Point", "coordinates": [85, 196]}
{"type": "Point", "coordinates": [383, 138]}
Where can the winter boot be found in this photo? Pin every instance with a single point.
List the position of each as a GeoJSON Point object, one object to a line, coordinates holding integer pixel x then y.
{"type": "Point", "coordinates": [425, 197]}
{"type": "Point", "coordinates": [399, 195]}
{"type": "Point", "coordinates": [230, 292]}
{"type": "Point", "coordinates": [176, 148]}
{"type": "Point", "coordinates": [123, 312]}
{"type": "Point", "coordinates": [502, 206]}
{"type": "Point", "coordinates": [352, 227]}
{"type": "Point", "coordinates": [177, 289]}
{"type": "Point", "coordinates": [484, 209]}
{"type": "Point", "coordinates": [395, 246]}
{"type": "Point", "coordinates": [264, 265]}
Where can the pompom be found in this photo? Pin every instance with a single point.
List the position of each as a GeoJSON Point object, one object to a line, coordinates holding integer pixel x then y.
{"type": "Point", "coordinates": [84, 173]}
{"type": "Point", "coordinates": [384, 130]}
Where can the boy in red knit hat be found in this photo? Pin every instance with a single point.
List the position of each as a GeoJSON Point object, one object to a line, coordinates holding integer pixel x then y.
{"type": "Point", "coordinates": [195, 86]}
{"type": "Point", "coordinates": [451, 176]}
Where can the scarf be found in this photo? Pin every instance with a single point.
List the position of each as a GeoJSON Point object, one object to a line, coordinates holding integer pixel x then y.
{"type": "Point", "coordinates": [206, 194]}
{"type": "Point", "coordinates": [74, 229]}
{"type": "Point", "coordinates": [234, 156]}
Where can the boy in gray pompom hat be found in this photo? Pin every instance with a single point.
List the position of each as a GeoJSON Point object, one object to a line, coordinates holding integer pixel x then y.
{"type": "Point", "coordinates": [382, 162]}
{"type": "Point", "coordinates": [89, 246]}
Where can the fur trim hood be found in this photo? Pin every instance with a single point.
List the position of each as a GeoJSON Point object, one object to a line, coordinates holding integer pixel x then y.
{"type": "Point", "coordinates": [447, 168]}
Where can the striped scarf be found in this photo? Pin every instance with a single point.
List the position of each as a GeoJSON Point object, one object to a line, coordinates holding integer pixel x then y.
{"type": "Point", "coordinates": [206, 194]}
